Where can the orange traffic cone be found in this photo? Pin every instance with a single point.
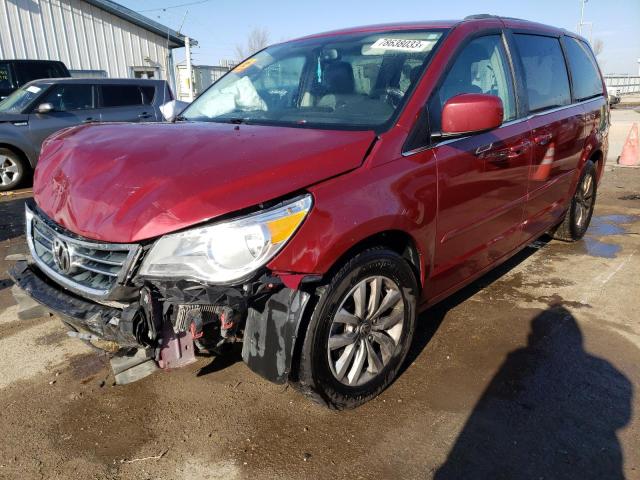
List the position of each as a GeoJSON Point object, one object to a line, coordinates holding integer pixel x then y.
{"type": "Point", "coordinates": [630, 155]}
{"type": "Point", "coordinates": [543, 171]}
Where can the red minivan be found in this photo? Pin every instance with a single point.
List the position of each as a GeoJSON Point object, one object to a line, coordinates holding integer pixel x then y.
{"type": "Point", "coordinates": [318, 197]}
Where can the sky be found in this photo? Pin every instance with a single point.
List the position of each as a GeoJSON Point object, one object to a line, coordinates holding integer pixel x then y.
{"type": "Point", "coordinates": [220, 25]}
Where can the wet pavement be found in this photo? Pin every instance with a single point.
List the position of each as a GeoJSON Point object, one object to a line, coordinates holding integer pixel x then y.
{"type": "Point", "coordinates": [531, 372]}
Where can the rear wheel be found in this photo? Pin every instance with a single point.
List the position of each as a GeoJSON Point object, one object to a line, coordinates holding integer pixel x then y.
{"type": "Point", "coordinates": [576, 221]}
{"type": "Point", "coordinates": [12, 169]}
{"type": "Point", "coordinates": [360, 330]}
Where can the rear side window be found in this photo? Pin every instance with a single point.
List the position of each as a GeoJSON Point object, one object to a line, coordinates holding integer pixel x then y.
{"type": "Point", "coordinates": [147, 94]}
{"type": "Point", "coordinates": [121, 95]}
{"type": "Point", "coordinates": [69, 97]}
{"type": "Point", "coordinates": [545, 71]}
{"type": "Point", "coordinates": [584, 71]}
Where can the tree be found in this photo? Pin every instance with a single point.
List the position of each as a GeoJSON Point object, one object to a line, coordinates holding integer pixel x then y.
{"type": "Point", "coordinates": [258, 39]}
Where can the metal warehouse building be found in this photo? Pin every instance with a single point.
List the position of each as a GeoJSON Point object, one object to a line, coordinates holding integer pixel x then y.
{"type": "Point", "coordinates": [92, 37]}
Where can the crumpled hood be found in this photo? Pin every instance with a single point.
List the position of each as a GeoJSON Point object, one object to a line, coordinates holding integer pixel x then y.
{"type": "Point", "coordinates": [128, 182]}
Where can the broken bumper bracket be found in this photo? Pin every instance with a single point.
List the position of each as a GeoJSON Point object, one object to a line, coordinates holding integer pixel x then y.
{"type": "Point", "coordinates": [270, 334]}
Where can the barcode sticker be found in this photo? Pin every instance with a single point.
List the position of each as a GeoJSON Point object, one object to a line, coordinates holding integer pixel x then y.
{"type": "Point", "coordinates": [402, 44]}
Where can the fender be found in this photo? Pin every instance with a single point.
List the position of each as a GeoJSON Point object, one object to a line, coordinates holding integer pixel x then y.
{"type": "Point", "coordinates": [16, 141]}
{"type": "Point", "coordinates": [596, 140]}
{"type": "Point", "coordinates": [397, 196]}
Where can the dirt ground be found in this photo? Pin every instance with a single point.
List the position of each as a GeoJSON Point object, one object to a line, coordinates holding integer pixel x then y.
{"type": "Point", "coordinates": [531, 372]}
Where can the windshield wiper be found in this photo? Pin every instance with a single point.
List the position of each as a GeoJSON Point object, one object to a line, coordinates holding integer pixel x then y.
{"type": "Point", "coordinates": [237, 120]}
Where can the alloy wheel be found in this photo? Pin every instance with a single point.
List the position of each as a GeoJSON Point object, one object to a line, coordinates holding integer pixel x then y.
{"type": "Point", "coordinates": [584, 201]}
{"type": "Point", "coordinates": [366, 330]}
{"type": "Point", "coordinates": [9, 170]}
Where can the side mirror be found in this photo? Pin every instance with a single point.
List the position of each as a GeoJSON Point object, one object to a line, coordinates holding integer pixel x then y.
{"type": "Point", "coordinates": [44, 108]}
{"type": "Point", "coordinates": [471, 113]}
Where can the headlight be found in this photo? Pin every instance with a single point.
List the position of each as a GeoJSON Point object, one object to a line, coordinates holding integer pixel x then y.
{"type": "Point", "coordinates": [228, 250]}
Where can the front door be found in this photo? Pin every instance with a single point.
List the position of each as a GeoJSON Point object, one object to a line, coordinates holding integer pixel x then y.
{"type": "Point", "coordinates": [73, 104]}
{"type": "Point", "coordinates": [482, 178]}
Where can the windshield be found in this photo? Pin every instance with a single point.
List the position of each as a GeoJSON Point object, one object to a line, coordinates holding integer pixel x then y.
{"type": "Point", "coordinates": [20, 99]}
{"type": "Point", "coordinates": [349, 81]}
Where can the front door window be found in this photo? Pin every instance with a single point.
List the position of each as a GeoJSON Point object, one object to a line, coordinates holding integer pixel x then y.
{"type": "Point", "coordinates": [481, 67]}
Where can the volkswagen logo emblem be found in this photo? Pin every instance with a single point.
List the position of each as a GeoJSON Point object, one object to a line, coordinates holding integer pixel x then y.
{"type": "Point", "coordinates": [61, 256]}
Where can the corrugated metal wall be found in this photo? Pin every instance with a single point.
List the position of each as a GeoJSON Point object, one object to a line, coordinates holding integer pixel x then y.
{"type": "Point", "coordinates": [84, 37]}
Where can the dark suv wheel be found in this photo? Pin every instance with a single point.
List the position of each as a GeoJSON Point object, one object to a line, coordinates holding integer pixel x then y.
{"type": "Point", "coordinates": [360, 330]}
{"type": "Point", "coordinates": [578, 217]}
{"type": "Point", "coordinates": [12, 170]}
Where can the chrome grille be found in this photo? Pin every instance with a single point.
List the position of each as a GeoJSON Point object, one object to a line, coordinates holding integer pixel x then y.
{"type": "Point", "coordinates": [89, 268]}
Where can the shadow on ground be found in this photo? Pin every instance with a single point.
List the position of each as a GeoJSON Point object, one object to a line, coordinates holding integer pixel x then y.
{"type": "Point", "coordinates": [551, 411]}
{"type": "Point", "coordinates": [429, 321]}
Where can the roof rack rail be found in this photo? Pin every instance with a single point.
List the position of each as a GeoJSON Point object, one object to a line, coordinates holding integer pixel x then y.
{"type": "Point", "coordinates": [479, 16]}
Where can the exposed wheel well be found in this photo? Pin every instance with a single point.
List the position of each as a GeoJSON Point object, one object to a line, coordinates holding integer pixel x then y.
{"type": "Point", "coordinates": [395, 240]}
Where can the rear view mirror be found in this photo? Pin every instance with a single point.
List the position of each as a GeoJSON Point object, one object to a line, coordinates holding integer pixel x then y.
{"type": "Point", "coordinates": [471, 113]}
{"type": "Point", "coordinates": [44, 108]}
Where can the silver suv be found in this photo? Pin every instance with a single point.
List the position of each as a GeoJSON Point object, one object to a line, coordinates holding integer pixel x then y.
{"type": "Point", "coordinates": [42, 107]}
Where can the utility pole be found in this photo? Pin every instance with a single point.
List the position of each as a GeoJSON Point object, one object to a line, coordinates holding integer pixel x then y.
{"type": "Point", "coordinates": [583, 23]}
{"type": "Point", "coordinates": [187, 46]}
{"type": "Point", "coordinates": [582, 2]}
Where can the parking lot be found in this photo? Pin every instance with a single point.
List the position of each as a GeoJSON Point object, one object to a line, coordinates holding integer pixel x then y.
{"type": "Point", "coordinates": [531, 371]}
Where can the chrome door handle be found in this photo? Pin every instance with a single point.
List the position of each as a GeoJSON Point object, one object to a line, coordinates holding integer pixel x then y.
{"type": "Point", "coordinates": [518, 150]}
{"type": "Point", "coordinates": [543, 139]}
{"type": "Point", "coordinates": [483, 149]}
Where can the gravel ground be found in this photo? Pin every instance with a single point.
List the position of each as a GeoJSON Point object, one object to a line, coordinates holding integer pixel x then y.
{"type": "Point", "coordinates": [530, 372]}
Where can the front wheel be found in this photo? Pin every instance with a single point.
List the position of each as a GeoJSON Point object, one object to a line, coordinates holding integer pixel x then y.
{"type": "Point", "coordinates": [577, 219]}
{"type": "Point", "coordinates": [360, 330]}
{"type": "Point", "coordinates": [12, 169]}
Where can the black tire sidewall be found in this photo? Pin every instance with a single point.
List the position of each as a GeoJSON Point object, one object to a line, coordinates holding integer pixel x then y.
{"type": "Point", "coordinates": [370, 263]}
{"type": "Point", "coordinates": [576, 231]}
{"type": "Point", "coordinates": [21, 166]}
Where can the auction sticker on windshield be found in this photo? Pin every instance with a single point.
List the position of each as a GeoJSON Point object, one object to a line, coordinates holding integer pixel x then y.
{"type": "Point", "coordinates": [244, 65]}
{"type": "Point", "coordinates": [402, 44]}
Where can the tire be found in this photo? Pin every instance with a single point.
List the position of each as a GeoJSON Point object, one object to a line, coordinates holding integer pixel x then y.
{"type": "Point", "coordinates": [330, 375]}
{"type": "Point", "coordinates": [578, 216]}
{"type": "Point", "coordinates": [12, 170]}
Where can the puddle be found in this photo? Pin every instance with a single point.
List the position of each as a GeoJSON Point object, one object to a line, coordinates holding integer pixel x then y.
{"type": "Point", "coordinates": [605, 226]}
{"type": "Point", "coordinates": [596, 248]}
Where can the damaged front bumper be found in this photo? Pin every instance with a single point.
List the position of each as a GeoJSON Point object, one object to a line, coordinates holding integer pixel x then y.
{"type": "Point", "coordinates": [82, 315]}
{"type": "Point", "coordinates": [170, 321]}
